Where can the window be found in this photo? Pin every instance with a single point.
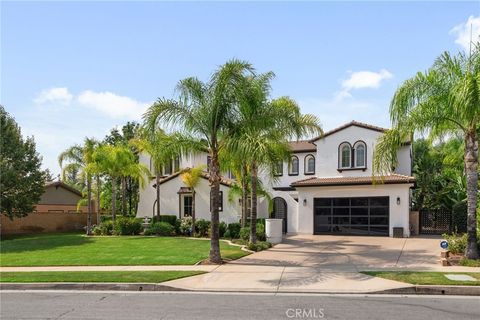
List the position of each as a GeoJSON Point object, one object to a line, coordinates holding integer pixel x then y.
{"type": "Point", "coordinates": [309, 164]}
{"type": "Point", "coordinates": [345, 155]}
{"type": "Point", "coordinates": [360, 154]}
{"type": "Point", "coordinates": [176, 164]}
{"type": "Point", "coordinates": [187, 206]}
{"type": "Point", "coordinates": [167, 169]}
{"type": "Point", "coordinates": [293, 167]}
{"type": "Point", "coordinates": [278, 170]}
{"type": "Point", "coordinates": [220, 201]}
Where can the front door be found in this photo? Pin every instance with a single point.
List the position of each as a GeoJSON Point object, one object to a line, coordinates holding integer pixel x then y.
{"type": "Point", "coordinates": [280, 211]}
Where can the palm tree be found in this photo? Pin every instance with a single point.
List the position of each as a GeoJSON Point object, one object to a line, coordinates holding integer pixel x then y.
{"type": "Point", "coordinates": [78, 158]}
{"type": "Point", "coordinates": [444, 100]}
{"type": "Point", "coordinates": [190, 178]}
{"type": "Point", "coordinates": [262, 131]}
{"type": "Point", "coordinates": [204, 113]}
{"type": "Point", "coordinates": [117, 162]}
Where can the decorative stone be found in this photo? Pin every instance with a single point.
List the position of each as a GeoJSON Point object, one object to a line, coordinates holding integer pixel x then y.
{"type": "Point", "coordinates": [460, 277]}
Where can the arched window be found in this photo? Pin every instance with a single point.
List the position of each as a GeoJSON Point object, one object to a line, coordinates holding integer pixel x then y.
{"type": "Point", "coordinates": [345, 155]}
{"type": "Point", "coordinates": [309, 164]}
{"type": "Point", "coordinates": [278, 170]}
{"type": "Point", "coordinates": [360, 154]}
{"type": "Point", "coordinates": [293, 167]}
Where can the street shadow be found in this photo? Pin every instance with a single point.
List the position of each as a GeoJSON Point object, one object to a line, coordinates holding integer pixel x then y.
{"type": "Point", "coordinates": [41, 242]}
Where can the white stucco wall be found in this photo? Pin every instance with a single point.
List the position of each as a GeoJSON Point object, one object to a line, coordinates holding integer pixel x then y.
{"type": "Point", "coordinates": [285, 179]}
{"type": "Point", "coordinates": [404, 156]}
{"type": "Point", "coordinates": [399, 214]}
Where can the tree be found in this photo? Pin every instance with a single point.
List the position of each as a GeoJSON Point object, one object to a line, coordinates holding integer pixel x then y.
{"type": "Point", "coordinates": [116, 162]}
{"type": "Point", "coordinates": [78, 158]}
{"type": "Point", "coordinates": [190, 178]}
{"type": "Point", "coordinates": [204, 113]}
{"type": "Point", "coordinates": [262, 130]}
{"type": "Point", "coordinates": [22, 181]}
{"type": "Point", "coordinates": [444, 100]}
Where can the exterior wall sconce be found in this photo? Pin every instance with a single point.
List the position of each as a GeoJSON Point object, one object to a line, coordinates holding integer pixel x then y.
{"type": "Point", "coordinates": [304, 202]}
{"type": "Point", "coordinates": [398, 200]}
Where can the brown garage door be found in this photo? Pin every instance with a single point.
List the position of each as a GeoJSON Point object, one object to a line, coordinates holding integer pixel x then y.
{"type": "Point", "coordinates": [360, 216]}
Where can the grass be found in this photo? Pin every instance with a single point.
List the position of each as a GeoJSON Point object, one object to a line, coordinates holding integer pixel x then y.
{"type": "Point", "coordinates": [469, 262]}
{"type": "Point", "coordinates": [429, 278]}
{"type": "Point", "coordinates": [77, 250]}
{"type": "Point", "coordinates": [96, 276]}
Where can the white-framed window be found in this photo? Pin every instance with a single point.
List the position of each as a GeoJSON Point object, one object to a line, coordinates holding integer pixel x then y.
{"type": "Point", "coordinates": [309, 164]}
{"type": "Point", "coordinates": [293, 167]}
{"type": "Point", "coordinates": [344, 155]}
{"type": "Point", "coordinates": [278, 169]}
{"type": "Point", "coordinates": [360, 154]}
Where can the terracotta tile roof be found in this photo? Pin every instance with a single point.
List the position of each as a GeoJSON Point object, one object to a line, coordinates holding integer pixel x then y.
{"type": "Point", "coordinates": [302, 146]}
{"type": "Point", "coordinates": [341, 181]}
{"type": "Point", "coordinates": [351, 123]}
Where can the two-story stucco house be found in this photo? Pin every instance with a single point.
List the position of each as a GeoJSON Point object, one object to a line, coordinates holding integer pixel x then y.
{"type": "Point", "coordinates": [327, 186]}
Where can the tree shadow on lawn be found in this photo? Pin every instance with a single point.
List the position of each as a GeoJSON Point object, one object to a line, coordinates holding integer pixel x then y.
{"type": "Point", "coordinates": [41, 242]}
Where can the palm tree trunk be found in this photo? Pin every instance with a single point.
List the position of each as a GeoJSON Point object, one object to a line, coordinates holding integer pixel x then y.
{"type": "Point", "coordinates": [244, 196]}
{"type": "Point", "coordinates": [193, 211]}
{"type": "Point", "coordinates": [471, 170]}
{"type": "Point", "coordinates": [253, 211]}
{"type": "Point", "coordinates": [215, 256]}
{"type": "Point", "coordinates": [89, 199]}
{"type": "Point", "coordinates": [114, 189]}
{"type": "Point", "coordinates": [124, 196]}
{"type": "Point", "coordinates": [98, 199]}
{"type": "Point", "coordinates": [157, 189]}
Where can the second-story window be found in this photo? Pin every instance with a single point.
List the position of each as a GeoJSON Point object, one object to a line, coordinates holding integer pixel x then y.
{"type": "Point", "coordinates": [167, 169]}
{"type": "Point", "coordinates": [293, 166]}
{"type": "Point", "coordinates": [360, 154]}
{"type": "Point", "coordinates": [309, 164]}
{"type": "Point", "coordinates": [278, 169]}
{"type": "Point", "coordinates": [176, 164]}
{"type": "Point", "coordinates": [345, 155]}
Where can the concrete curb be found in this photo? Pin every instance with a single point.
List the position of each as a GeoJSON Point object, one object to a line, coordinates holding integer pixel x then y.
{"type": "Point", "coordinates": [413, 290]}
{"type": "Point", "coordinates": [88, 286]}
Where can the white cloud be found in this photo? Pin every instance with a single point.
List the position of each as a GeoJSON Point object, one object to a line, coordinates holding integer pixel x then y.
{"type": "Point", "coordinates": [466, 31]}
{"type": "Point", "coordinates": [362, 80]}
{"type": "Point", "coordinates": [55, 96]}
{"type": "Point", "coordinates": [113, 105]}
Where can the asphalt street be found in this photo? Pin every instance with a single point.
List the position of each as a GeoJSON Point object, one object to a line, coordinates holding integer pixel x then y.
{"type": "Point", "coordinates": [168, 305]}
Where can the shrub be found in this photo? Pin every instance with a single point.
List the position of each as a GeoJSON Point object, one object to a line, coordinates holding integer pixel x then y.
{"type": "Point", "coordinates": [261, 232]}
{"type": "Point", "coordinates": [227, 234]}
{"type": "Point", "coordinates": [105, 217]}
{"type": "Point", "coordinates": [186, 226]}
{"type": "Point", "coordinates": [456, 243]}
{"type": "Point", "coordinates": [127, 226]}
{"type": "Point", "coordinates": [202, 228]}
{"type": "Point", "coordinates": [169, 218]}
{"type": "Point", "coordinates": [103, 229]}
{"type": "Point", "coordinates": [244, 233]}
{"type": "Point", "coordinates": [259, 246]}
{"type": "Point", "coordinates": [233, 230]}
{"type": "Point", "coordinates": [178, 222]}
{"type": "Point", "coordinates": [459, 217]}
{"type": "Point", "coordinates": [161, 229]}
{"type": "Point", "coordinates": [261, 221]}
{"type": "Point", "coordinates": [222, 228]}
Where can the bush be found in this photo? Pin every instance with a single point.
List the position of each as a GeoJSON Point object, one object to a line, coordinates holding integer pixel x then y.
{"type": "Point", "coordinates": [168, 218]}
{"type": "Point", "coordinates": [186, 226]}
{"type": "Point", "coordinates": [127, 226]}
{"type": "Point", "coordinates": [456, 243]}
{"type": "Point", "coordinates": [222, 228]}
{"type": "Point", "coordinates": [233, 231]}
{"type": "Point", "coordinates": [259, 246]}
{"type": "Point", "coordinates": [105, 218]}
{"type": "Point", "coordinates": [244, 233]}
{"type": "Point", "coordinates": [160, 229]}
{"type": "Point", "coordinates": [459, 217]}
{"type": "Point", "coordinates": [103, 229]}
{"type": "Point", "coordinates": [202, 228]}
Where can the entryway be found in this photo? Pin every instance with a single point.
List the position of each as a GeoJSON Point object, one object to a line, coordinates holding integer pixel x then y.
{"type": "Point", "coordinates": [280, 211]}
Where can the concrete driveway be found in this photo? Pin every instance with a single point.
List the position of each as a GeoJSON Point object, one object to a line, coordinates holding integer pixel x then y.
{"type": "Point", "coordinates": [321, 264]}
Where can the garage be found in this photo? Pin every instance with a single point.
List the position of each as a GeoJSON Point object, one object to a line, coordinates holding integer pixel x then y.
{"type": "Point", "coordinates": [352, 216]}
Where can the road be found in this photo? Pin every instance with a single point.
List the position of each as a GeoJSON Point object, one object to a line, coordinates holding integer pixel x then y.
{"type": "Point", "coordinates": [164, 305]}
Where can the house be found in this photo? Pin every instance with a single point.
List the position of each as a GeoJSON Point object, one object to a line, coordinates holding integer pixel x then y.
{"type": "Point", "coordinates": [326, 187]}
{"type": "Point", "coordinates": [55, 212]}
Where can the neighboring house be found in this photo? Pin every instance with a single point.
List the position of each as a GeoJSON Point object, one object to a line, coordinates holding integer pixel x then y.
{"type": "Point", "coordinates": [326, 187]}
{"type": "Point", "coordinates": [55, 212]}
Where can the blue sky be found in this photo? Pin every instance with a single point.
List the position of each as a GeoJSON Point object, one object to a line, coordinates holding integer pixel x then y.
{"type": "Point", "coordinates": [76, 69]}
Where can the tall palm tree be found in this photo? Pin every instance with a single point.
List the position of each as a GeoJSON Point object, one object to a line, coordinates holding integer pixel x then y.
{"type": "Point", "coordinates": [204, 113]}
{"type": "Point", "coordinates": [444, 100]}
{"type": "Point", "coordinates": [190, 178]}
{"type": "Point", "coordinates": [116, 162]}
{"type": "Point", "coordinates": [262, 132]}
{"type": "Point", "coordinates": [78, 157]}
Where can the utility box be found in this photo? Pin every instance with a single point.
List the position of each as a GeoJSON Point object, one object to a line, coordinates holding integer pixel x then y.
{"type": "Point", "coordinates": [274, 230]}
{"type": "Point", "coordinates": [397, 232]}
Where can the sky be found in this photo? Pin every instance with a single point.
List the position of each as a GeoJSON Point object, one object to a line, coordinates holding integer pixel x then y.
{"type": "Point", "coordinates": [75, 69]}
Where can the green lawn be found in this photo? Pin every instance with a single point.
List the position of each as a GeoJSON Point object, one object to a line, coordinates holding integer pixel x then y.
{"type": "Point", "coordinates": [77, 249]}
{"type": "Point", "coordinates": [430, 278]}
{"type": "Point", "coordinates": [96, 276]}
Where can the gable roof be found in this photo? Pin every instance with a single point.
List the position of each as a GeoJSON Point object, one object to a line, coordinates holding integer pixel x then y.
{"type": "Point", "coordinates": [348, 181]}
{"type": "Point", "coordinates": [302, 146]}
{"type": "Point", "coordinates": [60, 184]}
{"type": "Point", "coordinates": [347, 125]}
